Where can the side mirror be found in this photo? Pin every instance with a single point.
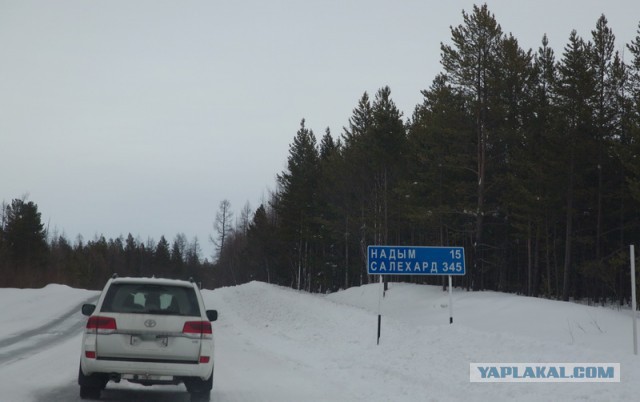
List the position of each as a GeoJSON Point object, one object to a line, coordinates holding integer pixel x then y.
{"type": "Point", "coordinates": [212, 315]}
{"type": "Point", "coordinates": [88, 309]}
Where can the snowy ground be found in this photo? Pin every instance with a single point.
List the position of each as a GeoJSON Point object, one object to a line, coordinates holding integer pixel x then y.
{"type": "Point", "coordinates": [276, 344]}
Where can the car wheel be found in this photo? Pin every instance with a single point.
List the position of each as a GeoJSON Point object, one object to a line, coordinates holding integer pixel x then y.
{"type": "Point", "coordinates": [200, 390]}
{"type": "Point", "coordinates": [90, 385]}
{"type": "Point", "coordinates": [201, 396]}
{"type": "Point", "coordinates": [89, 392]}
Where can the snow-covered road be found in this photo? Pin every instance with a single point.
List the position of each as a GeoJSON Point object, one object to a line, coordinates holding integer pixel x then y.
{"type": "Point", "coordinates": [276, 344]}
{"type": "Point", "coordinates": [46, 336]}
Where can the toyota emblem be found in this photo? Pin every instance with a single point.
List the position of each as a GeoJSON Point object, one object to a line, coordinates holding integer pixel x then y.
{"type": "Point", "coordinates": [150, 323]}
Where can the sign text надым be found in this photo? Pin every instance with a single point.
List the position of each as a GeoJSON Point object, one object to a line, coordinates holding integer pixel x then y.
{"type": "Point", "coordinates": [406, 260]}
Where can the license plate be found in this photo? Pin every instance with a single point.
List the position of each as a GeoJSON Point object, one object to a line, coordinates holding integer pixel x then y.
{"type": "Point", "coordinates": [147, 377]}
{"type": "Point", "coordinates": [159, 340]}
{"type": "Point", "coordinates": [162, 341]}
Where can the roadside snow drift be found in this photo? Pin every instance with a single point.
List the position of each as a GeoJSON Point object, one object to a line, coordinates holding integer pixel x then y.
{"type": "Point", "coordinates": [277, 344]}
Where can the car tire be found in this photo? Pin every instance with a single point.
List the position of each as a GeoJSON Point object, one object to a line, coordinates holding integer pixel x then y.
{"type": "Point", "coordinates": [90, 393]}
{"type": "Point", "coordinates": [204, 396]}
{"type": "Point", "coordinates": [200, 390]}
{"type": "Point", "coordinates": [90, 385]}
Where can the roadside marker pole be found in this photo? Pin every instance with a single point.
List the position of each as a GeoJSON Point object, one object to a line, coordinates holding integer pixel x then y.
{"type": "Point", "coordinates": [634, 313]}
{"type": "Point", "coordinates": [450, 302]}
{"type": "Point", "coordinates": [380, 309]}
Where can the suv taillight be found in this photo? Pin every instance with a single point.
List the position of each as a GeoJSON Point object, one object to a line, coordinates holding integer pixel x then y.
{"type": "Point", "coordinates": [102, 325]}
{"type": "Point", "coordinates": [199, 328]}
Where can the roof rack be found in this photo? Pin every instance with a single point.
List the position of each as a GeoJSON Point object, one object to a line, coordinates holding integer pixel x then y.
{"type": "Point", "coordinates": [114, 276]}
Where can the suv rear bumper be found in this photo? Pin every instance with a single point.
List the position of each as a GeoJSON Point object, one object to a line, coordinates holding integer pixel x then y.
{"type": "Point", "coordinates": [146, 369]}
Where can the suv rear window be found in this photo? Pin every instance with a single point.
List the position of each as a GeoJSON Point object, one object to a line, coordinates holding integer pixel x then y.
{"type": "Point", "coordinates": [150, 299]}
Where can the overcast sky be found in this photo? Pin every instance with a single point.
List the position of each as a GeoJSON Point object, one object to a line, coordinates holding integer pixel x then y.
{"type": "Point", "coordinates": [140, 116]}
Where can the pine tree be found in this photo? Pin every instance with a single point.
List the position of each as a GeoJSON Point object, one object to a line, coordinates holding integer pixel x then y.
{"type": "Point", "coordinates": [132, 257]}
{"type": "Point", "coordinates": [575, 90]}
{"type": "Point", "coordinates": [440, 182]}
{"type": "Point", "coordinates": [387, 145]}
{"type": "Point", "coordinates": [534, 198]}
{"type": "Point", "coordinates": [331, 214]}
{"type": "Point", "coordinates": [297, 202]}
{"type": "Point", "coordinates": [24, 236]}
{"type": "Point", "coordinates": [354, 183]}
{"type": "Point", "coordinates": [601, 61]}
{"type": "Point", "coordinates": [359, 123]}
{"type": "Point", "coordinates": [631, 161]}
{"type": "Point", "coordinates": [471, 65]}
{"type": "Point", "coordinates": [261, 245]}
{"type": "Point", "coordinates": [178, 253]}
{"type": "Point", "coordinates": [162, 257]}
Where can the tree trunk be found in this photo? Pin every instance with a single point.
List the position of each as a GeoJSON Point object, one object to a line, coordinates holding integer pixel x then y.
{"type": "Point", "coordinates": [529, 276]}
{"type": "Point", "coordinates": [346, 253]}
{"type": "Point", "coordinates": [536, 263]}
{"type": "Point", "coordinates": [566, 287]}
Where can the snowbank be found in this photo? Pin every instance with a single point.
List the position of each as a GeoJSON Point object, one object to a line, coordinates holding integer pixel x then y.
{"type": "Point", "coordinates": [278, 344]}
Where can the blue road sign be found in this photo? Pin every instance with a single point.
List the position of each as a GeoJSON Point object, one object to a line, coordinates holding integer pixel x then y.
{"type": "Point", "coordinates": [405, 260]}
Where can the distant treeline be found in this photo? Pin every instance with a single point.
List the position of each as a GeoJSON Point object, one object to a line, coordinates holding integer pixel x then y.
{"type": "Point", "coordinates": [529, 160]}
{"type": "Point", "coordinates": [31, 257]}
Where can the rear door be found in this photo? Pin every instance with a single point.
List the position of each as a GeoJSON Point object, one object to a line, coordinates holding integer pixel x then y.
{"type": "Point", "coordinates": [150, 321]}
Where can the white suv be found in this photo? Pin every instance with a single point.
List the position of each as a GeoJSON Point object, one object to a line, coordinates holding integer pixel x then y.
{"type": "Point", "coordinates": [148, 331]}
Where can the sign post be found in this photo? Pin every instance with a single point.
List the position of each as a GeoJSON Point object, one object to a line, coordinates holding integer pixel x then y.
{"type": "Point", "coordinates": [380, 309]}
{"type": "Point", "coordinates": [634, 313]}
{"type": "Point", "coordinates": [450, 301]}
{"type": "Point", "coordinates": [407, 260]}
